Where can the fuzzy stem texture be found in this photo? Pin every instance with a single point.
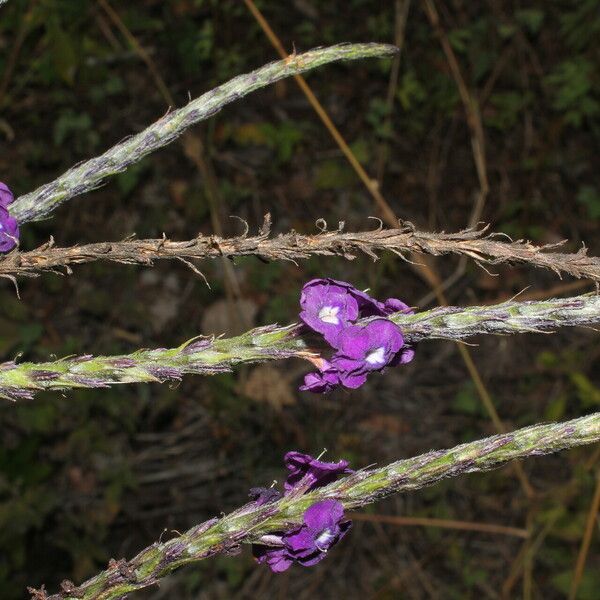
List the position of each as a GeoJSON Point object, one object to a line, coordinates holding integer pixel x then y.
{"type": "Point", "coordinates": [209, 356]}
{"type": "Point", "coordinates": [292, 246]}
{"type": "Point", "coordinates": [250, 522]}
{"type": "Point", "coordinates": [90, 174]}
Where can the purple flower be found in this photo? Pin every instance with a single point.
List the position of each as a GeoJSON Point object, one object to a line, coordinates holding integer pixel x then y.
{"type": "Point", "coordinates": [307, 545]}
{"type": "Point", "coordinates": [327, 307]}
{"type": "Point", "coordinates": [322, 528]}
{"type": "Point", "coordinates": [331, 307]}
{"type": "Point", "coordinates": [6, 196]}
{"type": "Point", "coordinates": [367, 306]}
{"type": "Point", "coordinates": [322, 381]}
{"type": "Point", "coordinates": [365, 349]}
{"type": "Point", "coordinates": [9, 231]}
{"type": "Point", "coordinates": [311, 473]}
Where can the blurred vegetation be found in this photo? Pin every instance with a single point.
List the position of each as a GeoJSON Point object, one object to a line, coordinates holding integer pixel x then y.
{"type": "Point", "coordinates": [93, 475]}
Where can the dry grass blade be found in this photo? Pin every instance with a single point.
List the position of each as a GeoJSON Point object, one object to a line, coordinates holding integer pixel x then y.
{"type": "Point", "coordinates": [587, 540]}
{"type": "Point", "coordinates": [441, 523]}
{"type": "Point", "coordinates": [371, 184]}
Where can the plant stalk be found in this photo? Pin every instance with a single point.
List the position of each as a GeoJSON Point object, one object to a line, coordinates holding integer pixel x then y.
{"type": "Point", "coordinates": [92, 173]}
{"type": "Point", "coordinates": [292, 246]}
{"type": "Point", "coordinates": [250, 522]}
{"type": "Point", "coordinates": [209, 356]}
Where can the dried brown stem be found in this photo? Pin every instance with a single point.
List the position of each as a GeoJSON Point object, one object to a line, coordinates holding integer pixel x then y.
{"type": "Point", "coordinates": [474, 243]}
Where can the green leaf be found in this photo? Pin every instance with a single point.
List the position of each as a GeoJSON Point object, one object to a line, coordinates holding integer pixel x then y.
{"type": "Point", "coordinates": [589, 196]}
{"type": "Point", "coordinates": [556, 409]}
{"type": "Point", "coordinates": [588, 588]}
{"type": "Point", "coordinates": [466, 401]}
{"type": "Point", "coordinates": [573, 84]}
{"type": "Point", "coordinates": [410, 91]}
{"type": "Point", "coordinates": [532, 18]}
{"type": "Point", "coordinates": [64, 54]}
{"type": "Point", "coordinates": [588, 393]}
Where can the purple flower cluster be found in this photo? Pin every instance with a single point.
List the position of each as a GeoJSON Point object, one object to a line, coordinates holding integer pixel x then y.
{"type": "Point", "coordinates": [331, 308]}
{"type": "Point", "coordinates": [9, 228]}
{"type": "Point", "coordinates": [323, 522]}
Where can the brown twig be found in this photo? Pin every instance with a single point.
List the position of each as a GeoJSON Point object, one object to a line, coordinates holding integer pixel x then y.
{"type": "Point", "coordinates": [441, 523]}
{"type": "Point", "coordinates": [474, 243]}
{"type": "Point", "coordinates": [586, 541]}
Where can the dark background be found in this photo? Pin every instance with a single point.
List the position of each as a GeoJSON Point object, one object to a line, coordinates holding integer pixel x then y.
{"type": "Point", "coordinates": [90, 475]}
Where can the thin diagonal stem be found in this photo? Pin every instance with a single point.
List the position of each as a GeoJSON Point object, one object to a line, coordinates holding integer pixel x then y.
{"type": "Point", "coordinates": [250, 522]}
{"type": "Point", "coordinates": [590, 525]}
{"type": "Point", "coordinates": [209, 356]}
{"type": "Point", "coordinates": [92, 173]}
{"type": "Point", "coordinates": [403, 521]}
{"type": "Point", "coordinates": [371, 184]}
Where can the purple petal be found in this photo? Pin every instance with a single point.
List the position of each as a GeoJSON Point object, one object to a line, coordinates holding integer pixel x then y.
{"type": "Point", "coordinates": [317, 473]}
{"type": "Point", "coordinates": [321, 382]}
{"type": "Point", "coordinates": [353, 342]}
{"type": "Point", "coordinates": [327, 308]}
{"type": "Point", "coordinates": [353, 381]}
{"type": "Point", "coordinates": [405, 355]}
{"type": "Point", "coordinates": [392, 305]}
{"type": "Point", "coordinates": [9, 231]}
{"type": "Point", "coordinates": [368, 348]}
{"type": "Point", "coordinates": [326, 514]}
{"type": "Point", "coordinates": [300, 543]}
{"type": "Point", "coordinates": [277, 559]}
{"type": "Point", "coordinates": [312, 559]}
{"type": "Point", "coordinates": [383, 332]}
{"type": "Point", "coordinates": [6, 196]}
{"type": "Point", "coordinates": [319, 555]}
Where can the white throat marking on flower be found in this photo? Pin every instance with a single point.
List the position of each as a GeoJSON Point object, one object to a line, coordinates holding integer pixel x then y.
{"type": "Point", "coordinates": [323, 539]}
{"type": "Point", "coordinates": [376, 357]}
{"type": "Point", "coordinates": [328, 314]}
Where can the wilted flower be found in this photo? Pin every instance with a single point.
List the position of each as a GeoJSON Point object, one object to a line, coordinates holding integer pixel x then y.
{"type": "Point", "coordinates": [9, 231]}
{"type": "Point", "coordinates": [311, 472]}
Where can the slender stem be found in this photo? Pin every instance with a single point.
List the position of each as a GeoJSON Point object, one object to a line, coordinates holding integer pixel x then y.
{"type": "Point", "coordinates": [590, 526]}
{"type": "Point", "coordinates": [293, 246]}
{"type": "Point", "coordinates": [90, 174]}
{"type": "Point", "coordinates": [209, 356]}
{"type": "Point", "coordinates": [250, 522]}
